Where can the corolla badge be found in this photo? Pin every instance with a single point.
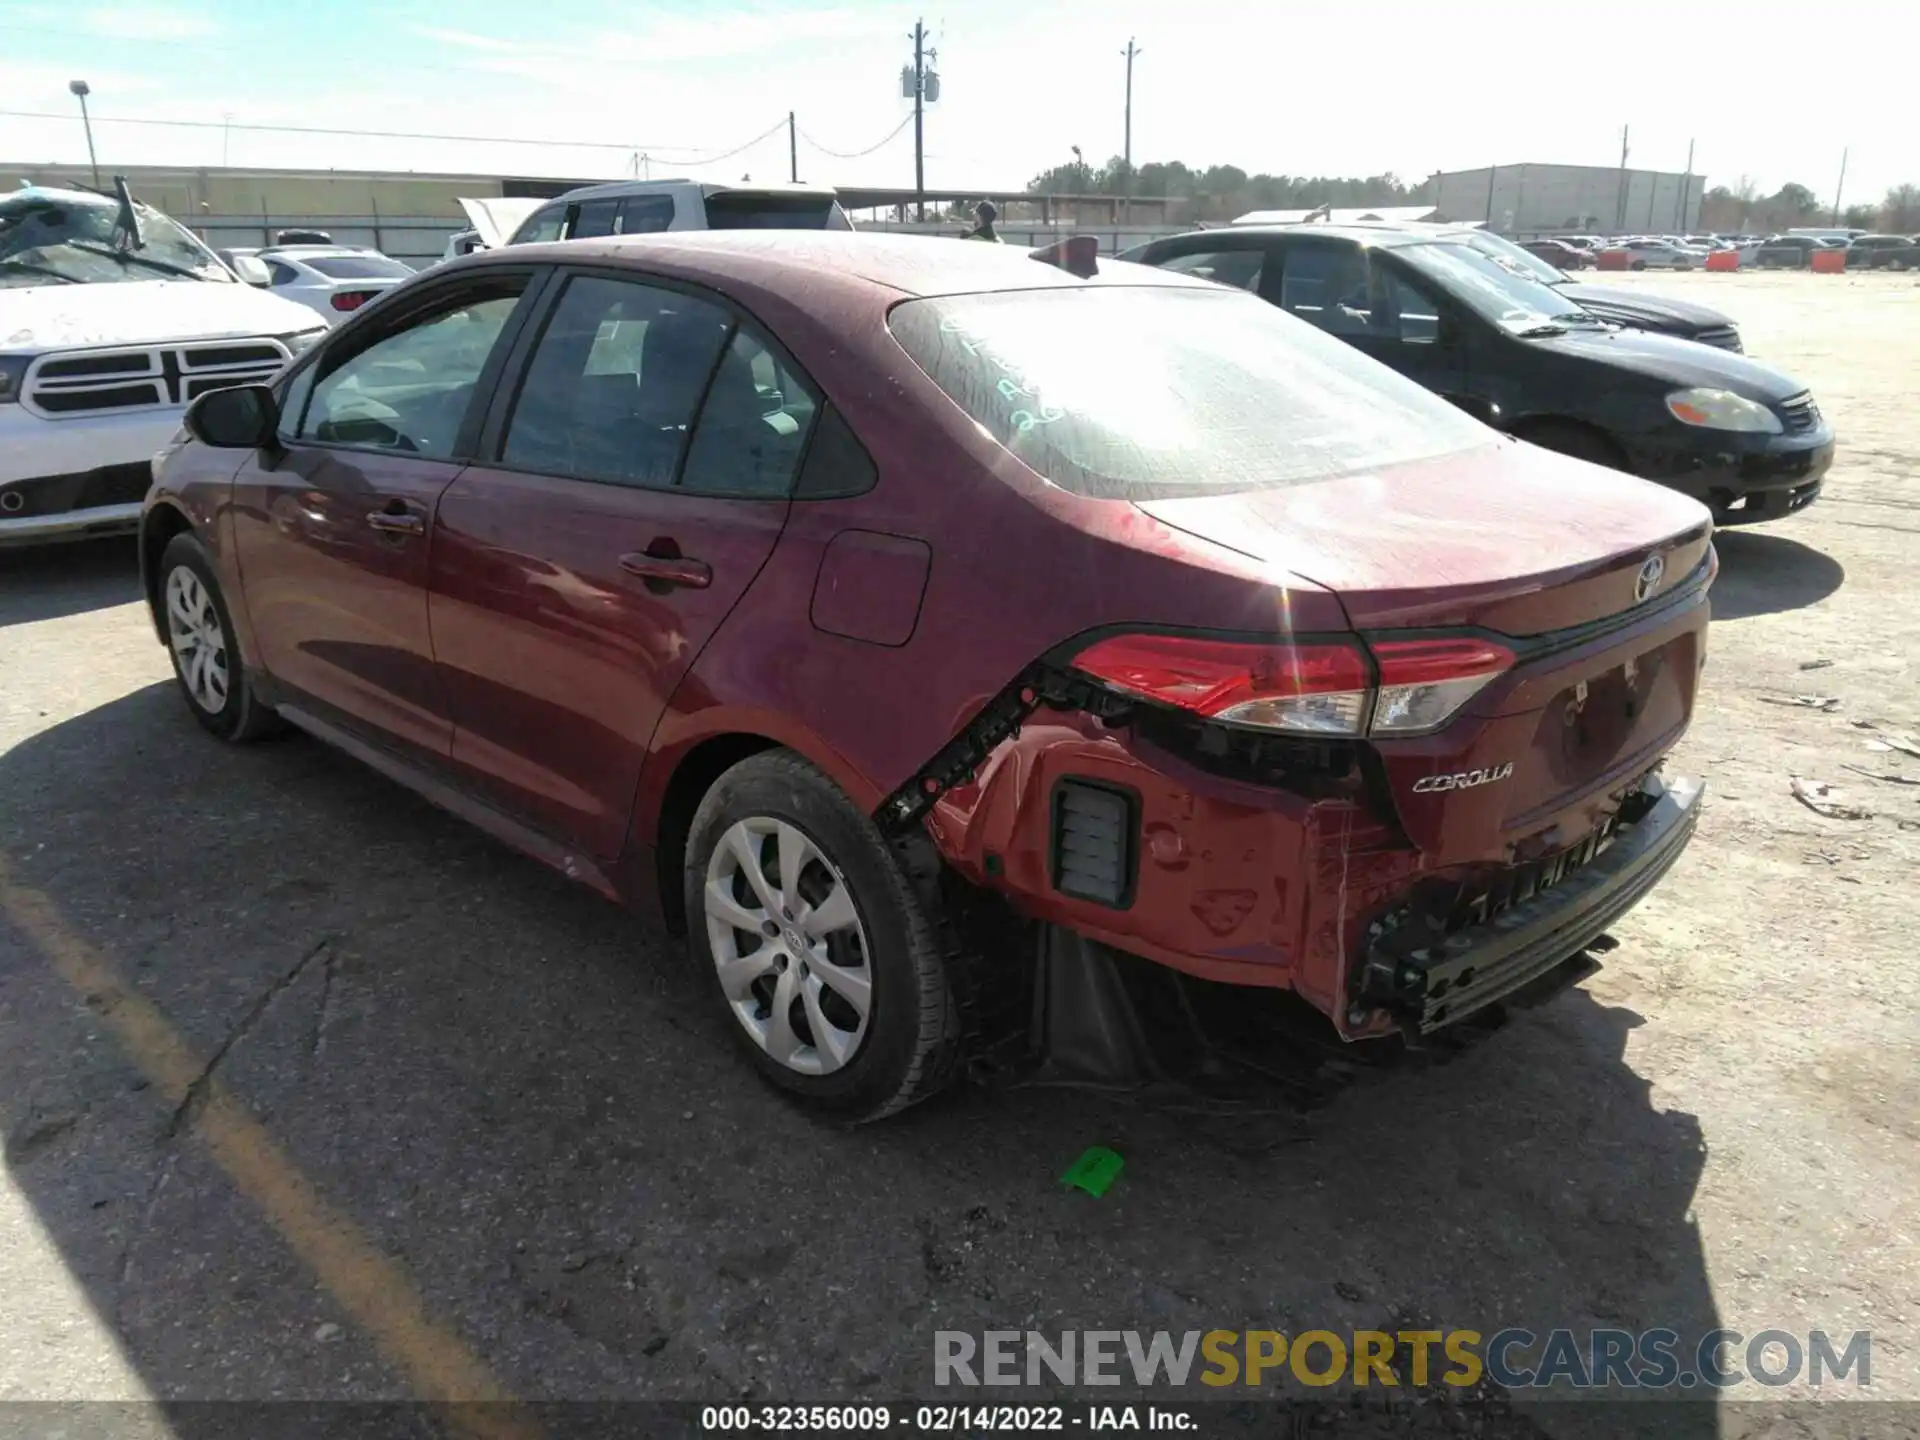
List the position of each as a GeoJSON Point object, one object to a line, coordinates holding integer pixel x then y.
{"type": "Point", "coordinates": [1463, 779]}
{"type": "Point", "coordinates": [1649, 578]}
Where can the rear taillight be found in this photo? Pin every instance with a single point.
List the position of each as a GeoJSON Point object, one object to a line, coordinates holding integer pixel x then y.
{"type": "Point", "coordinates": [1423, 683]}
{"type": "Point", "coordinates": [348, 299]}
{"type": "Point", "coordinates": [1308, 688]}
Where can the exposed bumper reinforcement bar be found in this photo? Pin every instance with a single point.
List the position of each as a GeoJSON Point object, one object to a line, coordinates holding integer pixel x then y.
{"type": "Point", "coordinates": [1448, 979]}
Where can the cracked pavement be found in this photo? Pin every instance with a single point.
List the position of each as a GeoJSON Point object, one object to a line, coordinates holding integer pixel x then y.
{"type": "Point", "coordinates": [509, 1091]}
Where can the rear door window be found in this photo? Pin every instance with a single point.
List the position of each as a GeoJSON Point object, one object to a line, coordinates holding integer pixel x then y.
{"type": "Point", "coordinates": [1325, 283]}
{"type": "Point", "coordinates": [753, 426]}
{"type": "Point", "coordinates": [1141, 392]}
{"type": "Point", "coordinates": [596, 219]}
{"type": "Point", "coordinates": [646, 214]}
{"type": "Point", "coordinates": [614, 382]}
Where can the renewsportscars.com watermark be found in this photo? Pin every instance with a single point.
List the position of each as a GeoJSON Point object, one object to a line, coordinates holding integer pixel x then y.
{"type": "Point", "coordinates": [1514, 1359]}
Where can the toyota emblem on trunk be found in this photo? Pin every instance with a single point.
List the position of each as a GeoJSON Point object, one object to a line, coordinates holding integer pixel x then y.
{"type": "Point", "coordinates": [1648, 580]}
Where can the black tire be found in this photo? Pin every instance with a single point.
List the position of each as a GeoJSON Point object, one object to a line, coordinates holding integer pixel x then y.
{"type": "Point", "coordinates": [1567, 438]}
{"type": "Point", "coordinates": [1638, 265]}
{"type": "Point", "coordinates": [239, 716]}
{"type": "Point", "coordinates": [911, 1044]}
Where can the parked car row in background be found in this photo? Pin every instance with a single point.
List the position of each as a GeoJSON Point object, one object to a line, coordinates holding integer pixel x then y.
{"type": "Point", "coordinates": [1454, 310]}
{"type": "Point", "coordinates": [1789, 251]}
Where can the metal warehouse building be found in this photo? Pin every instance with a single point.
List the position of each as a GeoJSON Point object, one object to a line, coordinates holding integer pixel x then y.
{"type": "Point", "coordinates": [1599, 199]}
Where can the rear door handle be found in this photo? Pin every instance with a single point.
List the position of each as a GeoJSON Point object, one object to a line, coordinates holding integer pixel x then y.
{"type": "Point", "coordinates": [398, 522]}
{"type": "Point", "coordinates": [663, 572]}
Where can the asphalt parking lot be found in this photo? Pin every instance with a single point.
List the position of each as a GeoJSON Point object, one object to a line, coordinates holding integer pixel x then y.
{"type": "Point", "coordinates": [310, 1091]}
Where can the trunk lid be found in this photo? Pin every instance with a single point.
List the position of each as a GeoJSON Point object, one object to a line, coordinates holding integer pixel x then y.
{"type": "Point", "coordinates": [1508, 537]}
{"type": "Point", "coordinates": [1536, 547]}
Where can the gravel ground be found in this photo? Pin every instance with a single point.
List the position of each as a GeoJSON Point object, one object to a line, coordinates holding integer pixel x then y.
{"type": "Point", "coordinates": [467, 1131]}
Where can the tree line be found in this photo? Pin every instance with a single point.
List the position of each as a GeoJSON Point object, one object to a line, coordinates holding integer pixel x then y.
{"type": "Point", "coordinates": [1220, 192]}
{"type": "Point", "coordinates": [1741, 207]}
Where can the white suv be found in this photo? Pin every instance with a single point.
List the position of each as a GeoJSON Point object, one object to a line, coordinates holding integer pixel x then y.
{"type": "Point", "coordinates": [112, 318]}
{"type": "Point", "coordinates": [638, 207]}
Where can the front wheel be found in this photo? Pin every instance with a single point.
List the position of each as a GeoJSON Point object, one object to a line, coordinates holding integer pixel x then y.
{"type": "Point", "coordinates": [816, 949]}
{"type": "Point", "coordinates": [206, 661]}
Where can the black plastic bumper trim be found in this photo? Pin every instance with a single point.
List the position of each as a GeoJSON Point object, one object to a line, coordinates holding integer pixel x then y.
{"type": "Point", "coordinates": [1525, 942]}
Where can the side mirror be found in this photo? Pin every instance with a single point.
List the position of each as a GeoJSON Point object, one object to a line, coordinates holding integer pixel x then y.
{"type": "Point", "coordinates": [1448, 331]}
{"type": "Point", "coordinates": [243, 417]}
{"type": "Point", "coordinates": [252, 270]}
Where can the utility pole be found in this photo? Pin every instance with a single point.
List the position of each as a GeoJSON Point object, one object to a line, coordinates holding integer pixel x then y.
{"type": "Point", "coordinates": [1620, 199]}
{"type": "Point", "coordinates": [1686, 193]}
{"type": "Point", "coordinates": [1126, 144]}
{"type": "Point", "coordinates": [919, 115]}
{"type": "Point", "coordinates": [793, 151]}
{"type": "Point", "coordinates": [1837, 189]}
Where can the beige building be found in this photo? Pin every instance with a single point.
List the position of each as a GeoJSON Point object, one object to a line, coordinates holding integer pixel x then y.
{"type": "Point", "coordinates": [1532, 199]}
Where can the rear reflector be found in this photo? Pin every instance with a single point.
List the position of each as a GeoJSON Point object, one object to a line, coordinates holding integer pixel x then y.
{"type": "Point", "coordinates": [1321, 688]}
{"type": "Point", "coordinates": [1307, 689]}
{"type": "Point", "coordinates": [1093, 828]}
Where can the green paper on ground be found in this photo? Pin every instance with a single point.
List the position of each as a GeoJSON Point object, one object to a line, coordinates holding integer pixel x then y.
{"type": "Point", "coordinates": [1094, 1171]}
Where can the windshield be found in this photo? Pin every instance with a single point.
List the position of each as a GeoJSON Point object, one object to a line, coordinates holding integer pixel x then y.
{"type": "Point", "coordinates": [1140, 393]}
{"type": "Point", "coordinates": [1495, 292]}
{"type": "Point", "coordinates": [1508, 253]}
{"type": "Point", "coordinates": [77, 240]}
{"type": "Point", "coordinates": [356, 267]}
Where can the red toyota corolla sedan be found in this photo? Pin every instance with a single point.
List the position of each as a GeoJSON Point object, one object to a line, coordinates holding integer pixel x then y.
{"type": "Point", "coordinates": [829, 592]}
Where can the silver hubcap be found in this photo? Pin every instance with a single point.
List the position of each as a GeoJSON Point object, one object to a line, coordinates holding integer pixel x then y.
{"type": "Point", "coordinates": [788, 945]}
{"type": "Point", "coordinates": [199, 645]}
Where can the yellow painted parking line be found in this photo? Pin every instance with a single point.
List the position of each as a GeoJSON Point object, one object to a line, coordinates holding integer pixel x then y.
{"type": "Point", "coordinates": [368, 1285]}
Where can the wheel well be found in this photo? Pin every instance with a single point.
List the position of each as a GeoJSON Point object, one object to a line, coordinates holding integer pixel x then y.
{"type": "Point", "coordinates": [162, 523]}
{"type": "Point", "coordinates": [706, 763]}
{"type": "Point", "coordinates": [1539, 430]}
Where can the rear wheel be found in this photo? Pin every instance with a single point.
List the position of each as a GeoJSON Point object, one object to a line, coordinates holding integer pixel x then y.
{"type": "Point", "coordinates": [206, 661]}
{"type": "Point", "coordinates": [1639, 265]}
{"type": "Point", "coordinates": [814, 946]}
{"type": "Point", "coordinates": [1567, 438]}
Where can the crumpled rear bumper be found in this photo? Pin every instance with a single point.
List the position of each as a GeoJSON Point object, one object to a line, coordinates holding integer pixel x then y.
{"type": "Point", "coordinates": [1428, 980]}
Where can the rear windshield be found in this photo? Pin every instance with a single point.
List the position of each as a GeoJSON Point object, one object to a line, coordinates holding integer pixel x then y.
{"type": "Point", "coordinates": [746, 210]}
{"type": "Point", "coordinates": [1148, 393]}
{"type": "Point", "coordinates": [358, 267]}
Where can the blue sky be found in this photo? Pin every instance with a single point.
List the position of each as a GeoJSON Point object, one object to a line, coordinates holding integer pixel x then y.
{"type": "Point", "coordinates": [1295, 86]}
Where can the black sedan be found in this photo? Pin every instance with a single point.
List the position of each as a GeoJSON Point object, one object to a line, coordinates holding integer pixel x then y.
{"type": "Point", "coordinates": [1740, 436]}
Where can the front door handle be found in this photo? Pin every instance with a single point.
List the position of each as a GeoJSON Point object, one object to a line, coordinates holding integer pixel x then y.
{"type": "Point", "coordinates": [398, 522]}
{"type": "Point", "coordinates": [663, 572]}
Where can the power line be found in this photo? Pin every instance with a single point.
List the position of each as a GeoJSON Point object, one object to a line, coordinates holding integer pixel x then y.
{"type": "Point", "coordinates": [858, 154]}
{"type": "Point", "coordinates": [623, 145]}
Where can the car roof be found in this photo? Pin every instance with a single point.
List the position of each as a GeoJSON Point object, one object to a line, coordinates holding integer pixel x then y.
{"type": "Point", "coordinates": [794, 260]}
{"type": "Point", "coordinates": [1377, 232]}
{"type": "Point", "coordinates": [705, 187]}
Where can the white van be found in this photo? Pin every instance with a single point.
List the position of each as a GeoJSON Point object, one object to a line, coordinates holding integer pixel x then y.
{"type": "Point", "coordinates": [112, 318]}
{"type": "Point", "coordinates": [638, 207]}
